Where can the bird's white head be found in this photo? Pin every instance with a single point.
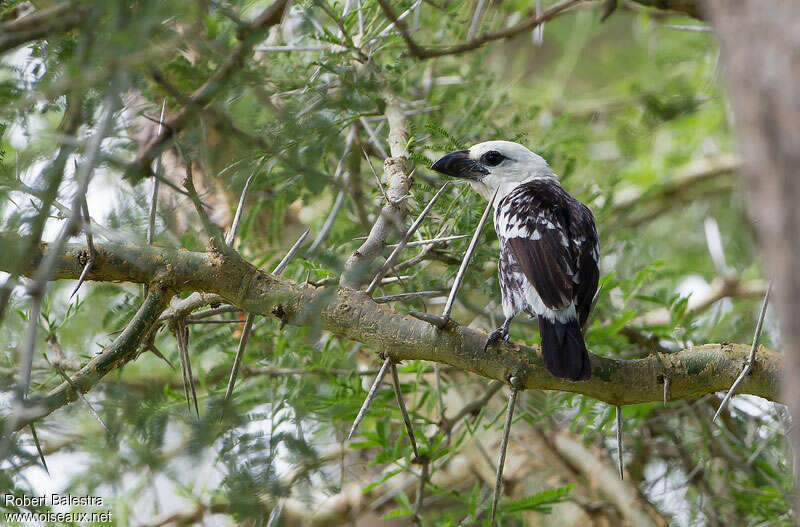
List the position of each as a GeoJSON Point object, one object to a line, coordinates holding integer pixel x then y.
{"type": "Point", "coordinates": [494, 165]}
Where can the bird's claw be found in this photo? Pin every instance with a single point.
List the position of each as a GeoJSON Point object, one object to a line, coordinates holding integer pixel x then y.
{"type": "Point", "coordinates": [500, 333]}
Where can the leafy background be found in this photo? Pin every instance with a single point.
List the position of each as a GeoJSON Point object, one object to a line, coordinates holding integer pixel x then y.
{"type": "Point", "coordinates": [622, 110]}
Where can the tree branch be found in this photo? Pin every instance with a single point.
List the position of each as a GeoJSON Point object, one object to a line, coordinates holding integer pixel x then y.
{"type": "Point", "coordinates": [248, 38]}
{"type": "Point", "coordinates": [122, 350]}
{"type": "Point", "coordinates": [41, 24]}
{"type": "Point", "coordinates": [394, 210]}
{"type": "Point", "coordinates": [427, 53]}
{"type": "Point", "coordinates": [353, 314]}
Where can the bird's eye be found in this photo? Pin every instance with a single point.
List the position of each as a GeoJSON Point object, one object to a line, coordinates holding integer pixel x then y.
{"type": "Point", "coordinates": [492, 158]}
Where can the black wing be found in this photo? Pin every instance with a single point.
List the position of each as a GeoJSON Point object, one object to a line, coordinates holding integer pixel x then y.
{"type": "Point", "coordinates": [553, 239]}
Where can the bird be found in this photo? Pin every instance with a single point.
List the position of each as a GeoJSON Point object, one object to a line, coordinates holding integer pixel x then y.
{"type": "Point", "coordinates": [549, 253]}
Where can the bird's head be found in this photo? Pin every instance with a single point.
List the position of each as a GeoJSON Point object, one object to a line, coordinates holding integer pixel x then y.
{"type": "Point", "coordinates": [493, 164]}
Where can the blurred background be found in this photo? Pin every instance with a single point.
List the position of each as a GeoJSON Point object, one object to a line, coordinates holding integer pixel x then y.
{"type": "Point", "coordinates": [629, 111]}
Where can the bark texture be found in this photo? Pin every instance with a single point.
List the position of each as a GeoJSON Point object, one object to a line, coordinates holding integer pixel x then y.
{"type": "Point", "coordinates": [353, 314]}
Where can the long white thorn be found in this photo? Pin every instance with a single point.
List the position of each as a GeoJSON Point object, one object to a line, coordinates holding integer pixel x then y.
{"type": "Point", "coordinates": [619, 441]}
{"type": "Point", "coordinates": [370, 396]}
{"type": "Point", "coordinates": [82, 397]}
{"type": "Point", "coordinates": [398, 393]}
{"type": "Point", "coordinates": [465, 262]}
{"type": "Point", "coordinates": [248, 323]}
{"type": "Point", "coordinates": [751, 357]}
{"type": "Point", "coordinates": [501, 461]}
{"type": "Point", "coordinates": [237, 362]}
{"type": "Point", "coordinates": [400, 246]}
{"type": "Point", "coordinates": [289, 255]}
{"type": "Point", "coordinates": [238, 216]}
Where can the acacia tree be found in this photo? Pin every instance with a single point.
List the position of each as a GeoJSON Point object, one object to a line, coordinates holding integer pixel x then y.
{"type": "Point", "coordinates": [162, 162]}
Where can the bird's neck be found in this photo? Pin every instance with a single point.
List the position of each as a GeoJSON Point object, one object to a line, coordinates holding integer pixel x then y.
{"type": "Point", "coordinates": [487, 186]}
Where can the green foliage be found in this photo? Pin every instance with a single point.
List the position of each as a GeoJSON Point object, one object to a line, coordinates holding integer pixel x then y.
{"type": "Point", "coordinates": [618, 109]}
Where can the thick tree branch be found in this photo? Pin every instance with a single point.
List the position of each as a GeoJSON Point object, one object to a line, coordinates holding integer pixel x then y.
{"type": "Point", "coordinates": [353, 314]}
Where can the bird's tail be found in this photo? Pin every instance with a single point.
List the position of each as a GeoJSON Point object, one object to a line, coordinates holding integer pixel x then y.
{"type": "Point", "coordinates": [564, 350]}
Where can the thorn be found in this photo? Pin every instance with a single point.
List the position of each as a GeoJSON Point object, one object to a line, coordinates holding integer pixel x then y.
{"type": "Point", "coordinates": [377, 179]}
{"type": "Point", "coordinates": [237, 362]}
{"type": "Point", "coordinates": [182, 336]}
{"type": "Point", "coordinates": [400, 246]}
{"type": "Point", "coordinates": [398, 393]}
{"type": "Point", "coordinates": [619, 441]}
{"type": "Point", "coordinates": [152, 347]}
{"type": "Point", "coordinates": [498, 483]}
{"type": "Point", "coordinates": [81, 279]}
{"type": "Point", "coordinates": [89, 244]}
{"type": "Point", "coordinates": [289, 255]}
{"type": "Point", "coordinates": [370, 396]}
{"type": "Point", "coordinates": [750, 358]}
{"type": "Point", "coordinates": [238, 215]}
{"type": "Point", "coordinates": [434, 320]}
{"type": "Point", "coordinates": [465, 261]}
{"type": "Point", "coordinates": [437, 372]}
{"type": "Point", "coordinates": [80, 395]}
{"type": "Point", "coordinates": [39, 449]}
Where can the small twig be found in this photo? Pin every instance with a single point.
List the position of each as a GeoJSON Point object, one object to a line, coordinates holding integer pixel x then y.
{"type": "Point", "coordinates": [437, 373]}
{"type": "Point", "coordinates": [432, 240]}
{"type": "Point", "coordinates": [151, 220]}
{"type": "Point", "coordinates": [501, 460]}
{"type": "Point", "coordinates": [420, 492]}
{"type": "Point", "coordinates": [370, 396]}
{"type": "Point", "coordinates": [619, 441]}
{"type": "Point", "coordinates": [407, 296]}
{"type": "Point", "coordinates": [400, 246]}
{"type": "Point", "coordinates": [479, 40]}
{"type": "Point", "coordinates": [215, 237]}
{"type": "Point", "coordinates": [751, 358]}
{"type": "Point", "coordinates": [417, 243]}
{"type": "Point", "coordinates": [398, 393]}
{"type": "Point", "coordinates": [465, 262]}
{"type": "Point", "coordinates": [216, 321]}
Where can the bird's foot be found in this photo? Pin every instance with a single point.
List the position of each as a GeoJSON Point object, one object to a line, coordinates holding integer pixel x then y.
{"type": "Point", "coordinates": [498, 334]}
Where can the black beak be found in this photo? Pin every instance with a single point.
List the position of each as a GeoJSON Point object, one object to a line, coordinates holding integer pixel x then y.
{"type": "Point", "coordinates": [458, 164]}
